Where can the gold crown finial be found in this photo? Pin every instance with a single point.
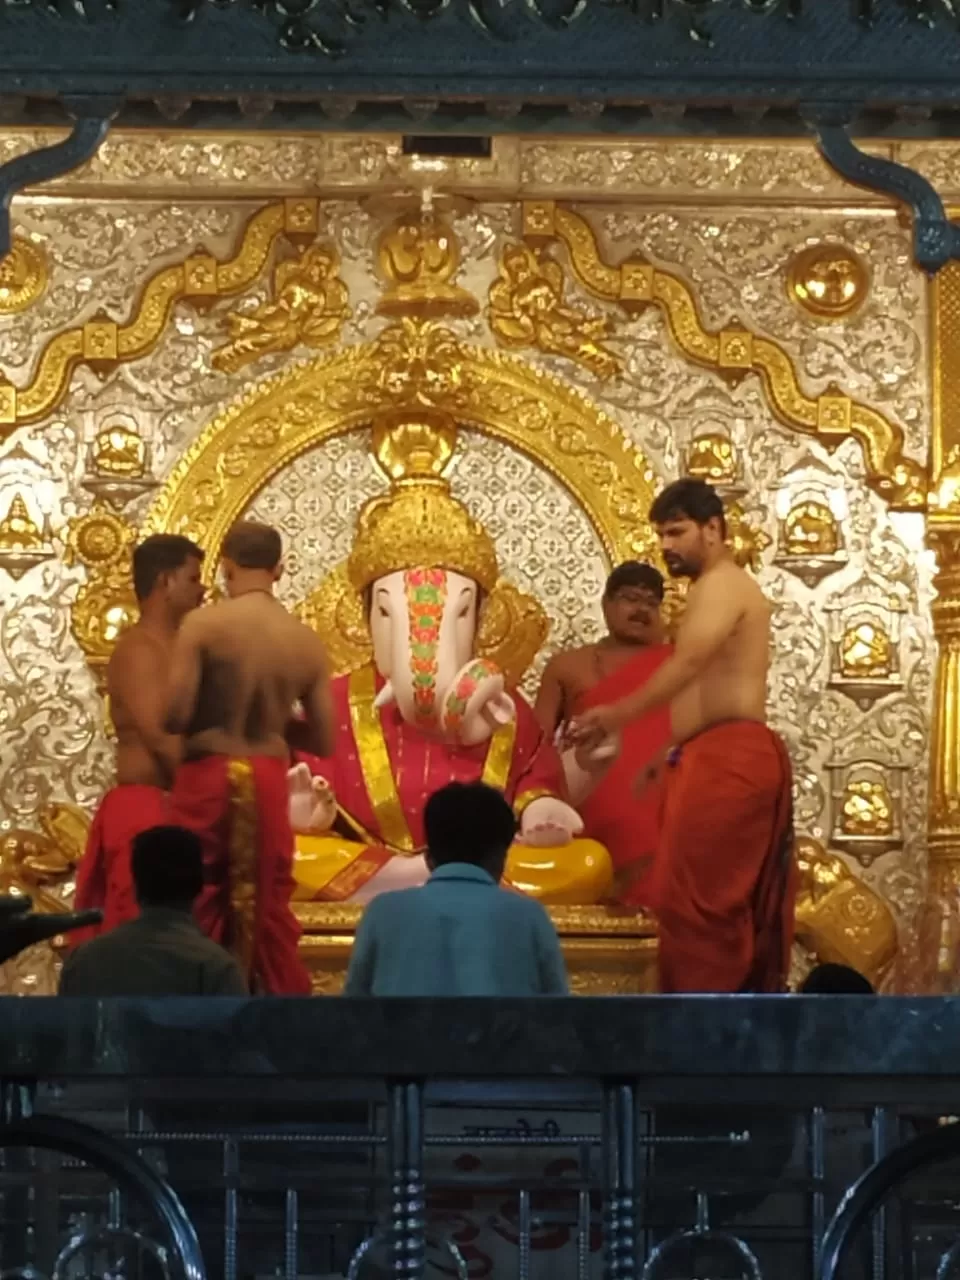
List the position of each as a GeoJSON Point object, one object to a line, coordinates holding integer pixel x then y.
{"type": "Point", "coordinates": [418, 523]}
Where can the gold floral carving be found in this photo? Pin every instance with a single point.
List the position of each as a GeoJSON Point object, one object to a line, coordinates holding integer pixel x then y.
{"type": "Point", "coordinates": [40, 863]}
{"type": "Point", "coordinates": [526, 309]}
{"type": "Point", "coordinates": [23, 277]}
{"type": "Point", "coordinates": [735, 351]}
{"type": "Point", "coordinates": [838, 916]}
{"type": "Point", "coordinates": [416, 366]}
{"type": "Point", "coordinates": [310, 306]}
{"type": "Point", "coordinates": [104, 343]}
{"type": "Point", "coordinates": [606, 953]}
{"type": "Point", "coordinates": [105, 605]}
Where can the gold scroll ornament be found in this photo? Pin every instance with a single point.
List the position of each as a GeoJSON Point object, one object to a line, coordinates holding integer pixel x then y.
{"type": "Point", "coordinates": [734, 352]}
{"type": "Point", "coordinates": [103, 343]}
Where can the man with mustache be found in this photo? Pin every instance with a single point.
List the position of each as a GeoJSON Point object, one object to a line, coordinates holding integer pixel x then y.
{"type": "Point", "coordinates": [238, 668]}
{"type": "Point", "coordinates": [626, 822]}
{"type": "Point", "coordinates": [723, 878]}
{"type": "Point", "coordinates": [167, 584]}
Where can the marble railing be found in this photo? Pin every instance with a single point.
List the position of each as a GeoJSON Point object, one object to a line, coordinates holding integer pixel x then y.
{"type": "Point", "coordinates": [351, 1100]}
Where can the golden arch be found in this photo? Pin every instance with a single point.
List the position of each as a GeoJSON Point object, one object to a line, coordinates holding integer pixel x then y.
{"type": "Point", "coordinates": [410, 366]}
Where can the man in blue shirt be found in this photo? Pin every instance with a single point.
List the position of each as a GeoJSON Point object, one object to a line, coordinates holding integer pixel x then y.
{"type": "Point", "coordinates": [460, 934]}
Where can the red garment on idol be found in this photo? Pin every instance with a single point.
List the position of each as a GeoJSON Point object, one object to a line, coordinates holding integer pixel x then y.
{"type": "Point", "coordinates": [724, 880]}
{"type": "Point", "coordinates": [104, 878]}
{"type": "Point", "coordinates": [614, 814]}
{"type": "Point", "coordinates": [239, 809]}
{"type": "Point", "coordinates": [421, 765]}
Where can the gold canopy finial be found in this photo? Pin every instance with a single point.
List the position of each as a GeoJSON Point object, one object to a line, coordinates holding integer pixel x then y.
{"type": "Point", "coordinates": [418, 522]}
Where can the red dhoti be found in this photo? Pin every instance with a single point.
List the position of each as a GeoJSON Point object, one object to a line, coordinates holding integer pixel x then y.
{"type": "Point", "coordinates": [627, 823]}
{"type": "Point", "coordinates": [104, 878]}
{"type": "Point", "coordinates": [238, 808]}
{"type": "Point", "coordinates": [724, 876]}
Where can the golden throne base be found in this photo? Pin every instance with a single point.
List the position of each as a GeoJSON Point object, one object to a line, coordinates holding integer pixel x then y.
{"type": "Point", "coordinates": [607, 953]}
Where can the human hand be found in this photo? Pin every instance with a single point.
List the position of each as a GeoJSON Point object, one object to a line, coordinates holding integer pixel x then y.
{"type": "Point", "coordinates": [594, 725]}
{"type": "Point", "coordinates": [312, 804]}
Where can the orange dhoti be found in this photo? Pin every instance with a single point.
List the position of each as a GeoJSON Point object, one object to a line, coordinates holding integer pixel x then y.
{"type": "Point", "coordinates": [238, 808]}
{"type": "Point", "coordinates": [104, 878]}
{"type": "Point", "coordinates": [723, 884]}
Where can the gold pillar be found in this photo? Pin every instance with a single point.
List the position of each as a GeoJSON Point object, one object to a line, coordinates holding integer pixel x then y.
{"type": "Point", "coordinates": [943, 536]}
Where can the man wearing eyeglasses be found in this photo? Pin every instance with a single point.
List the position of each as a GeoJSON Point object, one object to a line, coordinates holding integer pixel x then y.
{"type": "Point", "coordinates": [604, 790]}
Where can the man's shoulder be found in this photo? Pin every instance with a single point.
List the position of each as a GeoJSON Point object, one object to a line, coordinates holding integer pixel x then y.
{"type": "Point", "coordinates": [134, 642]}
{"type": "Point", "coordinates": [570, 660]}
{"type": "Point", "coordinates": [118, 938]}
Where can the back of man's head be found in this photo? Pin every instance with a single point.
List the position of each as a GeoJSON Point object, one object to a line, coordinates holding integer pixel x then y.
{"type": "Point", "coordinates": [469, 822]}
{"type": "Point", "coordinates": [836, 980]}
{"type": "Point", "coordinates": [167, 865]}
{"type": "Point", "coordinates": [252, 545]}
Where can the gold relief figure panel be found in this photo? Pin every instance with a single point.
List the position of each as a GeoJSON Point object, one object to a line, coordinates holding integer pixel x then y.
{"type": "Point", "coordinates": [526, 309]}
{"type": "Point", "coordinates": [310, 306]}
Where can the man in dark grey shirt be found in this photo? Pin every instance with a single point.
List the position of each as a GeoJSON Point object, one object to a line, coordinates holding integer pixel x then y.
{"type": "Point", "coordinates": [163, 952]}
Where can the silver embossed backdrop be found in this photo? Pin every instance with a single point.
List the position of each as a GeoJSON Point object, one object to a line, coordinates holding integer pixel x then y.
{"type": "Point", "coordinates": [850, 580]}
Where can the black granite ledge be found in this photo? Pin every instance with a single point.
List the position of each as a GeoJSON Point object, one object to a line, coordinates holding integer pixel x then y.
{"type": "Point", "coordinates": [763, 1040]}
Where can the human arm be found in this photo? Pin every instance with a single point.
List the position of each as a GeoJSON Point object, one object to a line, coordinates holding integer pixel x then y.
{"type": "Point", "coordinates": [548, 707]}
{"type": "Point", "coordinates": [551, 966]}
{"type": "Point", "coordinates": [185, 668]}
{"type": "Point", "coordinates": [136, 686]}
{"type": "Point", "coordinates": [363, 956]}
{"type": "Point", "coordinates": [314, 731]}
{"type": "Point", "coordinates": [713, 611]}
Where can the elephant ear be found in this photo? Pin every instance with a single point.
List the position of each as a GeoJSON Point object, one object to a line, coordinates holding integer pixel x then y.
{"type": "Point", "coordinates": [335, 612]}
{"type": "Point", "coordinates": [513, 627]}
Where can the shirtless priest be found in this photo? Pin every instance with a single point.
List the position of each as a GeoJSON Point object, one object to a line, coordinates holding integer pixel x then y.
{"type": "Point", "coordinates": [166, 582]}
{"type": "Point", "coordinates": [723, 884]}
{"type": "Point", "coordinates": [239, 667]}
{"type": "Point", "coordinates": [613, 812]}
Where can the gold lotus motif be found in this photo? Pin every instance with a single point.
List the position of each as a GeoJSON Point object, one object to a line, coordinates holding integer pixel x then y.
{"type": "Point", "coordinates": [23, 277]}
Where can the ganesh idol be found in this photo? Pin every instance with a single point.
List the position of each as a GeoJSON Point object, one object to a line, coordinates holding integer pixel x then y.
{"type": "Point", "coordinates": [429, 643]}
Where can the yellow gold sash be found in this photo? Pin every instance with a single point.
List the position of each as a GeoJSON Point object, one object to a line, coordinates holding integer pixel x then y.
{"type": "Point", "coordinates": [378, 779]}
{"type": "Point", "coordinates": [242, 864]}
